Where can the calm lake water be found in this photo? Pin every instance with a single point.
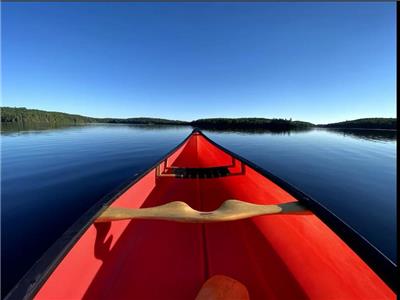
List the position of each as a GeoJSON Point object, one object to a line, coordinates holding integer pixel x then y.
{"type": "Point", "coordinates": [49, 178]}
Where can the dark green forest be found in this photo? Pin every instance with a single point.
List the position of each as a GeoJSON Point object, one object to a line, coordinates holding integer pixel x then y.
{"type": "Point", "coordinates": [143, 121]}
{"type": "Point", "coordinates": [366, 123]}
{"type": "Point", "coordinates": [250, 123]}
{"type": "Point", "coordinates": [22, 115]}
{"type": "Point", "coordinates": [34, 116]}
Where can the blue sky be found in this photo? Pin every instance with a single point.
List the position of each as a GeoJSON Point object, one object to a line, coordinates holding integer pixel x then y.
{"type": "Point", "coordinates": [318, 62]}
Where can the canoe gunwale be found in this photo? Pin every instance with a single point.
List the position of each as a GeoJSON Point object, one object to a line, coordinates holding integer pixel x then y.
{"type": "Point", "coordinates": [41, 270]}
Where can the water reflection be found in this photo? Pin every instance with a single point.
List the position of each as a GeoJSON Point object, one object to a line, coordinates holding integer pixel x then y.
{"type": "Point", "coordinates": [155, 127]}
{"type": "Point", "coordinates": [8, 128]}
{"type": "Point", "coordinates": [367, 134]}
{"type": "Point", "coordinates": [22, 128]}
{"type": "Point", "coordinates": [14, 127]}
{"type": "Point", "coordinates": [258, 130]}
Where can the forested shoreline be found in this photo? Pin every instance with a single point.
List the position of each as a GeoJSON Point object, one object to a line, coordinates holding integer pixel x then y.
{"type": "Point", "coordinates": [22, 115]}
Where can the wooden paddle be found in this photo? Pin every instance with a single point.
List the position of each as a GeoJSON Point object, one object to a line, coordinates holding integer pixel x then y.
{"type": "Point", "coordinates": [179, 211]}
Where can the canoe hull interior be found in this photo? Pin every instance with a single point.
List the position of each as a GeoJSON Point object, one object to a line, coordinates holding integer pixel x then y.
{"type": "Point", "coordinates": [275, 257]}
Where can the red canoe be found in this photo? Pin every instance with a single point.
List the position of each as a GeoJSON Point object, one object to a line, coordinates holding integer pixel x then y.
{"type": "Point", "coordinates": [310, 255]}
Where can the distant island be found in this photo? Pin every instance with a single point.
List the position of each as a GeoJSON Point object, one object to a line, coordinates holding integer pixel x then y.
{"type": "Point", "coordinates": [366, 123]}
{"type": "Point", "coordinates": [250, 123]}
{"type": "Point", "coordinates": [22, 115]}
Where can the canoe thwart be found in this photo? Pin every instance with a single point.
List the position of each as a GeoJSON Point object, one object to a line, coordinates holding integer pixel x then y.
{"type": "Point", "coordinates": [179, 211]}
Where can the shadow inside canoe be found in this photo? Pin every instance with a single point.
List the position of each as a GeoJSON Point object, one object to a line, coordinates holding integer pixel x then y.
{"type": "Point", "coordinates": [102, 245]}
{"type": "Point", "coordinates": [170, 260]}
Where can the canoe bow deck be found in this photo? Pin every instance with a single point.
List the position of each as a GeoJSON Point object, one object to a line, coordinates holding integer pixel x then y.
{"type": "Point", "coordinates": [274, 256]}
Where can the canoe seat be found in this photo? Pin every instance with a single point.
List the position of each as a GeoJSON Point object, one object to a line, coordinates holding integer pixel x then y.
{"type": "Point", "coordinates": [180, 172]}
{"type": "Point", "coordinates": [200, 172]}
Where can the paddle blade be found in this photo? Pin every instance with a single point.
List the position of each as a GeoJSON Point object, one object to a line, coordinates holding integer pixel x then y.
{"type": "Point", "coordinates": [220, 287]}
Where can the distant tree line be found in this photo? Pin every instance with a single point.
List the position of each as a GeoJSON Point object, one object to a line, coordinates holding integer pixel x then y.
{"type": "Point", "coordinates": [24, 115]}
{"type": "Point", "coordinates": [250, 123]}
{"type": "Point", "coordinates": [143, 121]}
{"type": "Point", "coordinates": [34, 116]}
{"type": "Point", "coordinates": [366, 123]}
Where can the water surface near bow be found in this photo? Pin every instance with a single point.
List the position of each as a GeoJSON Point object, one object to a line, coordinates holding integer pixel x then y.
{"type": "Point", "coordinates": [51, 177]}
